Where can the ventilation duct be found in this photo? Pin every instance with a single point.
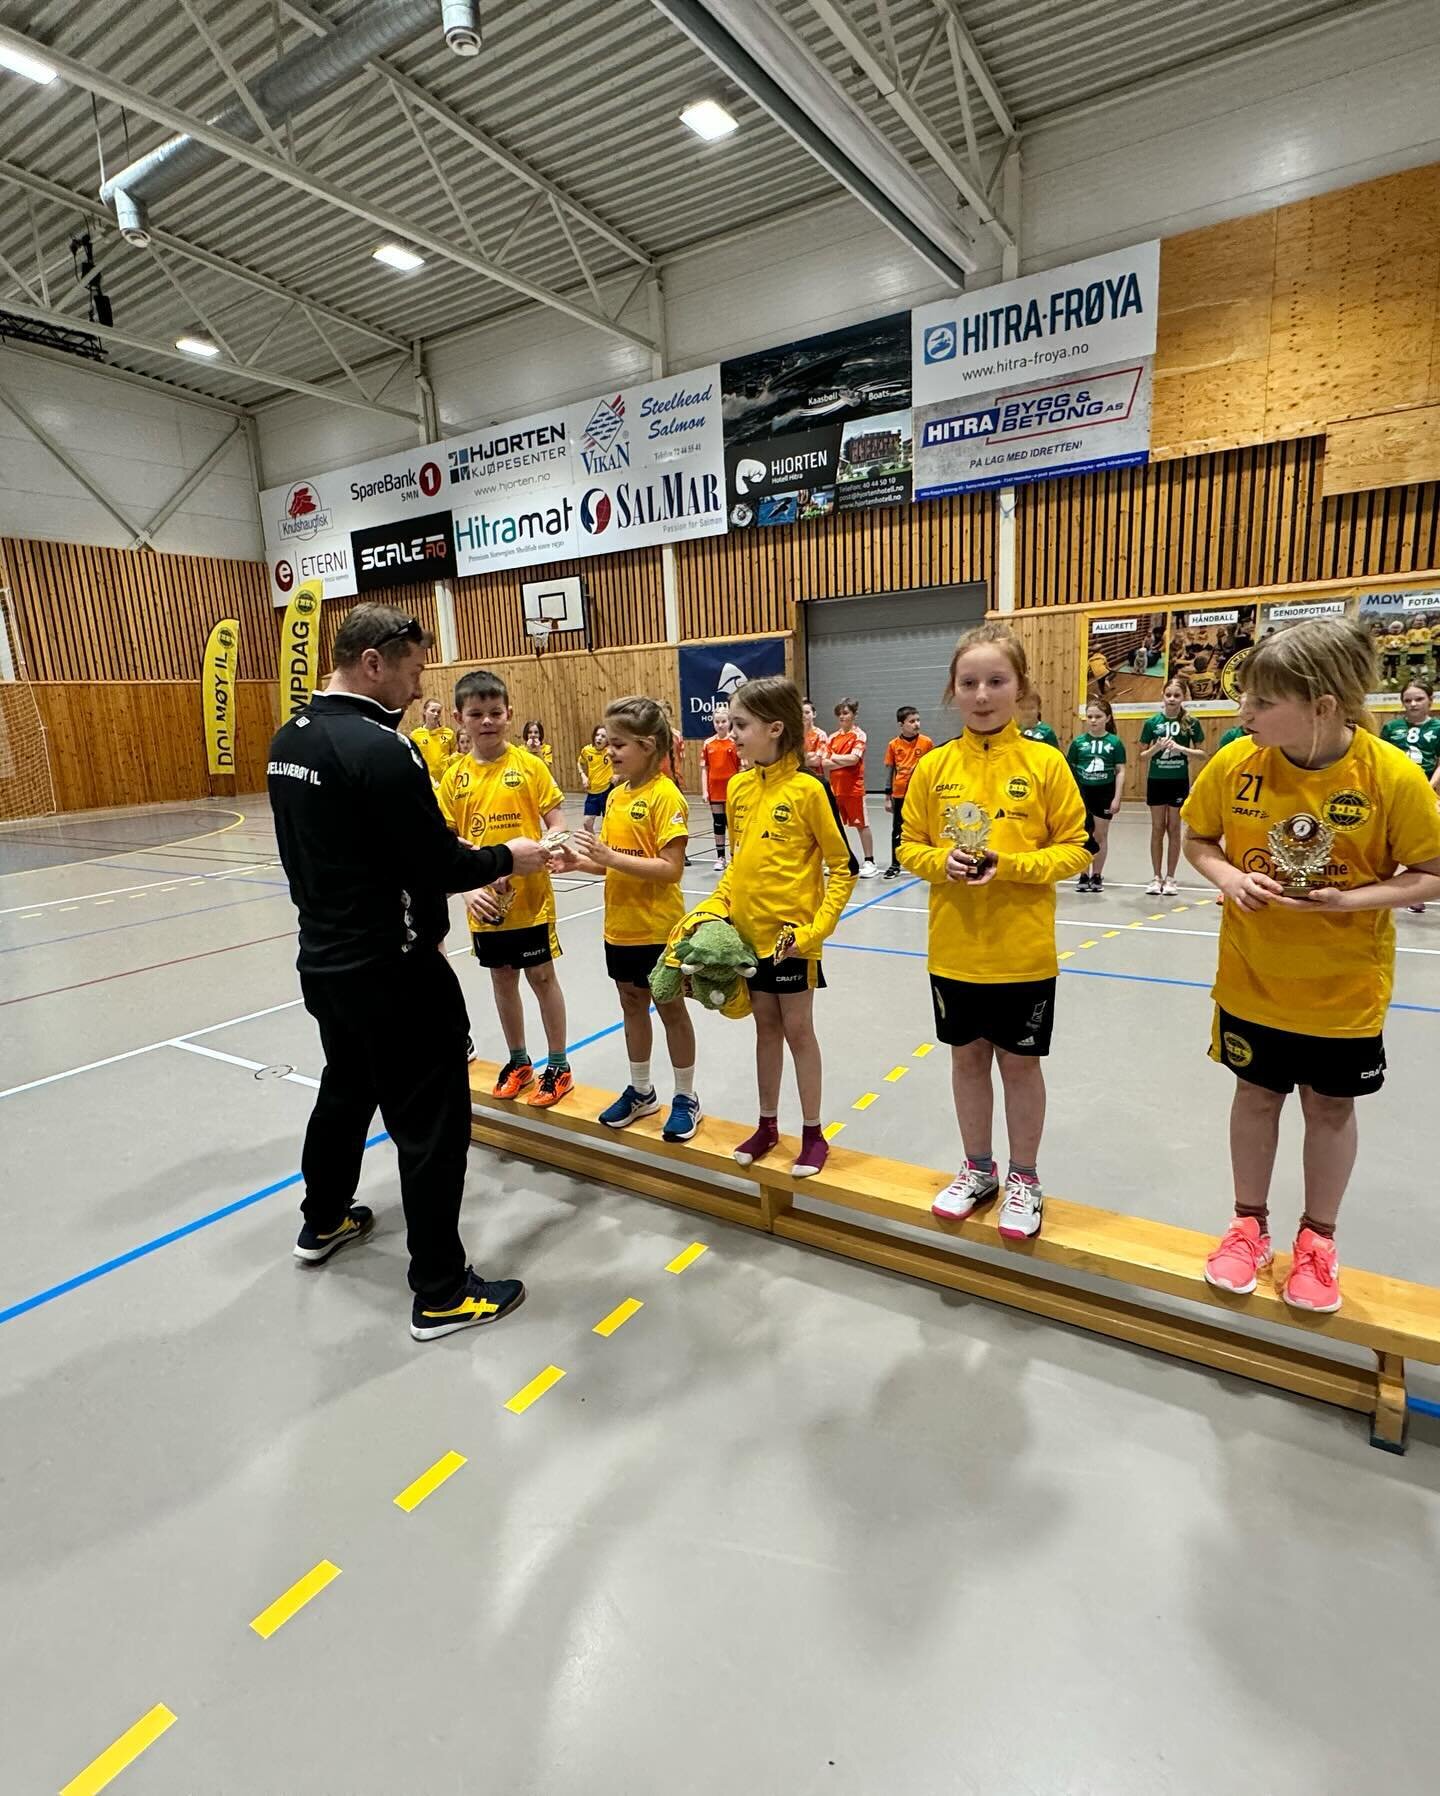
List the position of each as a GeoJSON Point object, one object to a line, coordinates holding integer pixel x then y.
{"type": "Point", "coordinates": [300, 79]}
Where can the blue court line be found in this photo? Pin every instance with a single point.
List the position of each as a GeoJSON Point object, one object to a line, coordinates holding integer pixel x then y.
{"type": "Point", "coordinates": [870, 903]}
{"type": "Point", "coordinates": [1199, 985]}
{"type": "Point", "coordinates": [1423, 1406]}
{"type": "Point", "coordinates": [81, 935]}
{"type": "Point", "coordinates": [203, 1222]}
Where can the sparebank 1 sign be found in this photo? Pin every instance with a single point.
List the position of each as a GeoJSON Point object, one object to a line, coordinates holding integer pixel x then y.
{"type": "Point", "coordinates": [1042, 376]}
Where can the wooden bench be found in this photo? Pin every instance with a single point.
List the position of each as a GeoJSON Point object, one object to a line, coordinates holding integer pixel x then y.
{"type": "Point", "coordinates": [1392, 1318]}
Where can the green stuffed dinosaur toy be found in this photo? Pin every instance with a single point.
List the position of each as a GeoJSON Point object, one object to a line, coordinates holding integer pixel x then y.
{"type": "Point", "coordinates": [710, 965]}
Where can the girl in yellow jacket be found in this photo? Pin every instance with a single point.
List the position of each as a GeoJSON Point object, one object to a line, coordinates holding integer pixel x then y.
{"type": "Point", "coordinates": [992, 960]}
{"type": "Point", "coordinates": [790, 875]}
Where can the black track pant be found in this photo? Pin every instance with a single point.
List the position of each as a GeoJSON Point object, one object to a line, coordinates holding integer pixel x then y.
{"type": "Point", "coordinates": [394, 1040]}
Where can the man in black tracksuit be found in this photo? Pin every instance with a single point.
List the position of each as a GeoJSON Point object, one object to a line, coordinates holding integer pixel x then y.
{"type": "Point", "coordinates": [371, 864]}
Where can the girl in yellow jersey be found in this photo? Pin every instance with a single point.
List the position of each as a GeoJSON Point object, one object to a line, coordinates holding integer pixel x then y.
{"type": "Point", "coordinates": [533, 736]}
{"type": "Point", "coordinates": [596, 774]}
{"type": "Point", "coordinates": [435, 740]}
{"type": "Point", "coordinates": [640, 848]}
{"type": "Point", "coordinates": [1303, 982]}
{"type": "Point", "coordinates": [790, 874]}
{"type": "Point", "coordinates": [992, 960]}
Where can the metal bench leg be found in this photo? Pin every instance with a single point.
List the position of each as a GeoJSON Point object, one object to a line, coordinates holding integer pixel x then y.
{"type": "Point", "coordinates": [1387, 1429]}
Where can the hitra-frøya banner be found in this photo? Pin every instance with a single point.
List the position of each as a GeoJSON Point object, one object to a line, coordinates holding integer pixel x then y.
{"type": "Point", "coordinates": [299, 648]}
{"type": "Point", "coordinates": [1037, 377]}
{"type": "Point", "coordinates": [217, 694]}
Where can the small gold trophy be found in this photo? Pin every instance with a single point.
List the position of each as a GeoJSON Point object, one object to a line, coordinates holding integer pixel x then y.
{"type": "Point", "coordinates": [968, 827]}
{"type": "Point", "coordinates": [504, 896]}
{"type": "Point", "coordinates": [1300, 848]}
{"type": "Point", "coordinates": [784, 941]}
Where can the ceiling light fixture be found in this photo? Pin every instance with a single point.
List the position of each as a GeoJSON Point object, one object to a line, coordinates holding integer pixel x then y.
{"type": "Point", "coordinates": [395, 255]}
{"type": "Point", "coordinates": [197, 346]}
{"type": "Point", "coordinates": [709, 120]}
{"type": "Point", "coordinates": [29, 66]}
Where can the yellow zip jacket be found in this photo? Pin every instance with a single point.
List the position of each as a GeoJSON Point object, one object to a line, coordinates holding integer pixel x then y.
{"type": "Point", "coordinates": [1003, 932]}
{"type": "Point", "coordinates": [789, 860]}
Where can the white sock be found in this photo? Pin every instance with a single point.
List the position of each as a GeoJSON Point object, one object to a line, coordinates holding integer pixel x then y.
{"type": "Point", "coordinates": [684, 1081]}
{"type": "Point", "coordinates": [640, 1076]}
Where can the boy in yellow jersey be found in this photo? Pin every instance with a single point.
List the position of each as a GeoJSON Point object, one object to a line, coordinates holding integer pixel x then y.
{"type": "Point", "coordinates": [1311, 802]}
{"type": "Point", "coordinates": [502, 790]}
{"type": "Point", "coordinates": [435, 740]}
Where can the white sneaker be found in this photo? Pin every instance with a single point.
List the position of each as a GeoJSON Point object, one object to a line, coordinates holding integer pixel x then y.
{"type": "Point", "coordinates": [719, 863]}
{"type": "Point", "coordinates": [1021, 1210]}
{"type": "Point", "coordinates": [869, 870]}
{"type": "Point", "coordinates": [1155, 887]}
{"type": "Point", "coordinates": [1170, 889]}
{"type": "Point", "coordinates": [965, 1191]}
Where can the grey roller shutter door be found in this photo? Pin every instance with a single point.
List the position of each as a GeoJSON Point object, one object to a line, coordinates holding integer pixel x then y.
{"type": "Point", "coordinates": [887, 650]}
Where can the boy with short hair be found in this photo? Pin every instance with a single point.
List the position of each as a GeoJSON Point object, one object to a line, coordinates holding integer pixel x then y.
{"type": "Point", "coordinates": [435, 740]}
{"type": "Point", "coordinates": [719, 763]}
{"type": "Point", "coordinates": [501, 790]}
{"type": "Point", "coordinates": [845, 763]}
{"type": "Point", "coordinates": [902, 756]}
{"type": "Point", "coordinates": [816, 742]}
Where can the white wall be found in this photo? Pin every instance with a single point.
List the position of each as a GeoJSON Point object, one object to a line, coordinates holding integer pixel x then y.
{"type": "Point", "coordinates": [137, 444]}
{"type": "Point", "coordinates": [1324, 111]}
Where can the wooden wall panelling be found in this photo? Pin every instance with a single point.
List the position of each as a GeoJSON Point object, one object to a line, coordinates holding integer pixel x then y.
{"type": "Point", "coordinates": [419, 601]}
{"type": "Point", "coordinates": [132, 742]}
{"type": "Point", "coordinates": [1356, 302]}
{"type": "Point", "coordinates": [88, 612]}
{"type": "Point", "coordinates": [626, 599]}
{"type": "Point", "coordinates": [1393, 449]}
{"type": "Point", "coordinates": [1394, 531]}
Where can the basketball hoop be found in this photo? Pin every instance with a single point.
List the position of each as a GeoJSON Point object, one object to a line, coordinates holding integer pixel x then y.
{"type": "Point", "coordinates": [538, 629]}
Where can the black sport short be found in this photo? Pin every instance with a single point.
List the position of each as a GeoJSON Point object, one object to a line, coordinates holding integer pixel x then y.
{"type": "Point", "coordinates": [1167, 791]}
{"type": "Point", "coordinates": [1333, 1066]}
{"type": "Point", "coordinates": [628, 965]}
{"type": "Point", "coordinates": [1097, 801]}
{"type": "Point", "coordinates": [790, 976]}
{"type": "Point", "coordinates": [1018, 1018]}
{"type": "Point", "coordinates": [532, 947]}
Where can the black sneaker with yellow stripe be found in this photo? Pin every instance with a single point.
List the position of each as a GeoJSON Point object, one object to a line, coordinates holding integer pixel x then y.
{"type": "Point", "coordinates": [313, 1247]}
{"type": "Point", "coordinates": [478, 1301]}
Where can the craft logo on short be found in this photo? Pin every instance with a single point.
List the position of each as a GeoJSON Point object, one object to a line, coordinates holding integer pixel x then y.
{"type": "Point", "coordinates": [305, 513]}
{"type": "Point", "coordinates": [605, 447]}
{"type": "Point", "coordinates": [1348, 809]}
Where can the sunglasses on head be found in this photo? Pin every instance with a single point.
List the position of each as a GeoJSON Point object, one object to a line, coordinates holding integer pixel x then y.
{"type": "Point", "coordinates": [410, 631]}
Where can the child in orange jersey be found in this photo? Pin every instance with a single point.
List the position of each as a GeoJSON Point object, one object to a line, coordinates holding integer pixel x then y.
{"type": "Point", "coordinates": [902, 756]}
{"type": "Point", "coordinates": [719, 763]}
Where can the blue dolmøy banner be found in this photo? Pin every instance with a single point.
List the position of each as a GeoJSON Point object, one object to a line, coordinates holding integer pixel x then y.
{"type": "Point", "coordinates": [717, 670]}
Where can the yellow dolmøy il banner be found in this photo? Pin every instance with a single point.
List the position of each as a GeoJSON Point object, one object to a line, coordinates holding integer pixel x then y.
{"type": "Point", "coordinates": [299, 646]}
{"type": "Point", "coordinates": [217, 694]}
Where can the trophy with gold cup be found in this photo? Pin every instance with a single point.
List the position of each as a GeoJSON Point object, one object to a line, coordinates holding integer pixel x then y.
{"type": "Point", "coordinates": [1300, 850]}
{"type": "Point", "coordinates": [967, 826]}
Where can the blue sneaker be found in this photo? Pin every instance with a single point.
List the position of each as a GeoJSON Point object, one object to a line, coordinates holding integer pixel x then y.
{"type": "Point", "coordinates": [629, 1107]}
{"type": "Point", "coordinates": [683, 1120]}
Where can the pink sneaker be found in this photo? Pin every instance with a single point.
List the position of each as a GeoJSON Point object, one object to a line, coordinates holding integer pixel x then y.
{"type": "Point", "coordinates": [1314, 1281]}
{"type": "Point", "coordinates": [1242, 1254]}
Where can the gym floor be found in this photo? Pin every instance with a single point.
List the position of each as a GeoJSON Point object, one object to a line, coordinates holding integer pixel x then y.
{"type": "Point", "coordinates": [797, 1525]}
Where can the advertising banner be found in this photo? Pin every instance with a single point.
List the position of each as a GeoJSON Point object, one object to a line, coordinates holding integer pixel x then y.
{"type": "Point", "coordinates": [217, 694]}
{"type": "Point", "coordinates": [1038, 377]}
{"type": "Point", "coordinates": [1207, 650]}
{"type": "Point", "coordinates": [308, 524]}
{"type": "Point", "coordinates": [1405, 629]}
{"type": "Point", "coordinates": [299, 649]}
{"type": "Point", "coordinates": [407, 553]}
{"type": "Point", "coordinates": [717, 670]}
{"type": "Point", "coordinates": [1125, 661]}
{"type": "Point", "coordinates": [818, 426]}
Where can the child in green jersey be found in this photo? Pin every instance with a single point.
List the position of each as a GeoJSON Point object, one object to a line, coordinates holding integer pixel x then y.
{"type": "Point", "coordinates": [1027, 715]}
{"type": "Point", "coordinates": [1169, 741]}
{"type": "Point", "coordinates": [1097, 759]}
{"type": "Point", "coordinates": [1417, 734]}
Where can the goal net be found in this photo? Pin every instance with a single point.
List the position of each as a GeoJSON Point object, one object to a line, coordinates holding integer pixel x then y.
{"type": "Point", "coordinates": [26, 786]}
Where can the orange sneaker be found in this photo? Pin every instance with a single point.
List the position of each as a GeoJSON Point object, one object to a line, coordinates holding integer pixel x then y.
{"type": "Point", "coordinates": [555, 1083]}
{"type": "Point", "coordinates": [513, 1080]}
{"type": "Point", "coordinates": [1314, 1281]}
{"type": "Point", "coordinates": [1242, 1254]}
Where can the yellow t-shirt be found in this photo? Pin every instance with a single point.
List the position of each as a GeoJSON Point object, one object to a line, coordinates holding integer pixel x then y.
{"type": "Point", "coordinates": [545, 753]}
{"type": "Point", "coordinates": [1003, 932]}
{"type": "Point", "coordinates": [436, 747]}
{"type": "Point", "coordinates": [596, 762]}
{"type": "Point", "coordinates": [1329, 973]}
{"type": "Point", "coordinates": [490, 802]}
{"type": "Point", "coordinates": [641, 820]}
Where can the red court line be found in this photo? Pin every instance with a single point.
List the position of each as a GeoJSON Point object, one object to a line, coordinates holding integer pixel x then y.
{"type": "Point", "coordinates": [154, 967]}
